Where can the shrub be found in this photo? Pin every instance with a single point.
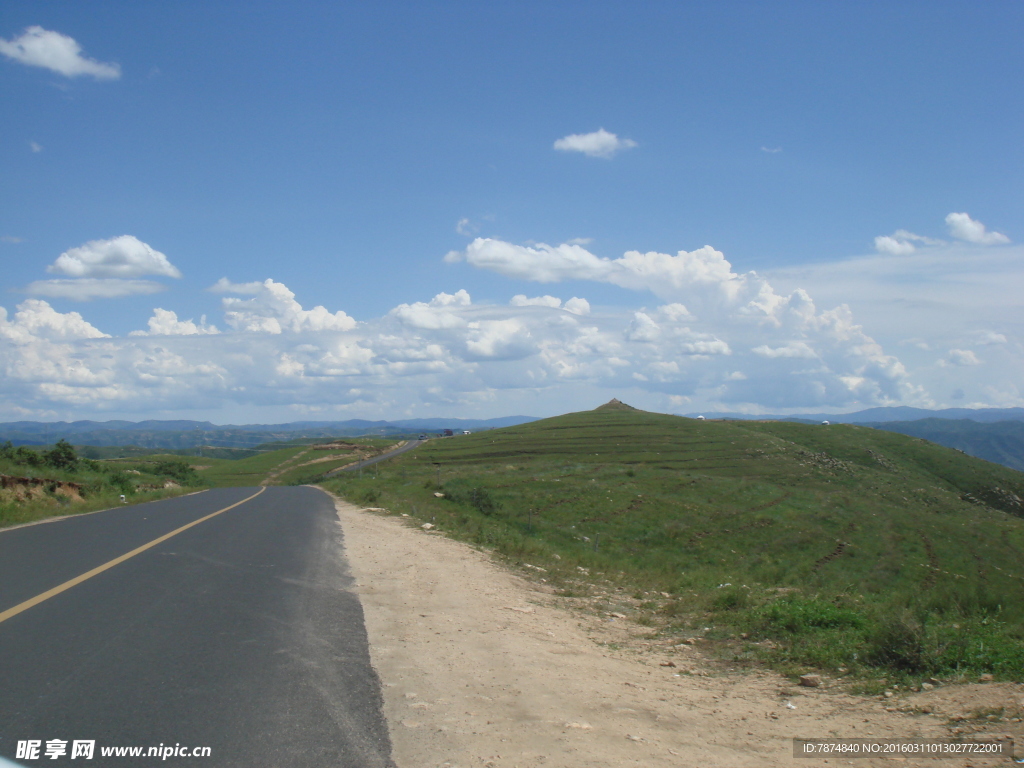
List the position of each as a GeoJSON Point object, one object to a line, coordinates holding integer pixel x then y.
{"type": "Point", "coordinates": [61, 456]}
{"type": "Point", "coordinates": [899, 642]}
{"type": "Point", "coordinates": [180, 470]}
{"type": "Point", "coordinates": [797, 615]}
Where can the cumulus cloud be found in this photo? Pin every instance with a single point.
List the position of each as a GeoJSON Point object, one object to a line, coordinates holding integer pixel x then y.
{"type": "Point", "coordinates": [37, 320]}
{"type": "Point", "coordinates": [963, 227]}
{"type": "Point", "coordinates": [38, 47]}
{"type": "Point", "coordinates": [273, 309]}
{"type": "Point", "coordinates": [121, 257]}
{"type": "Point", "coordinates": [894, 246]}
{"type": "Point", "coordinates": [577, 306]}
{"type": "Point", "coordinates": [89, 288]}
{"type": "Point", "coordinates": [713, 312]}
{"type": "Point", "coordinates": [521, 300]}
{"type": "Point", "coordinates": [164, 322]}
{"type": "Point", "coordinates": [719, 336]}
{"type": "Point", "coordinates": [436, 314]}
{"type": "Point", "coordinates": [600, 143]}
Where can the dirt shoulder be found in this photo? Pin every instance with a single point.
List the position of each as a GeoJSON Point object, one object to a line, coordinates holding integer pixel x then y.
{"type": "Point", "coordinates": [481, 667]}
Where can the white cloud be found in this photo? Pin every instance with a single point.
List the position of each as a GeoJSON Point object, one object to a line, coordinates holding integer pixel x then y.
{"type": "Point", "coordinates": [963, 357]}
{"type": "Point", "coordinates": [714, 312]}
{"type": "Point", "coordinates": [88, 288]}
{"type": "Point", "coordinates": [600, 143]}
{"type": "Point", "coordinates": [435, 314]}
{"type": "Point", "coordinates": [164, 322]}
{"type": "Point", "coordinates": [38, 47]}
{"type": "Point", "coordinates": [887, 244]}
{"type": "Point", "coordinates": [792, 349]}
{"type": "Point", "coordinates": [577, 306]}
{"type": "Point", "coordinates": [466, 228]}
{"type": "Point", "coordinates": [36, 320]}
{"type": "Point", "coordinates": [520, 300]}
{"type": "Point", "coordinates": [963, 227]}
{"type": "Point", "coordinates": [987, 338]}
{"type": "Point", "coordinates": [719, 339]}
{"type": "Point", "coordinates": [273, 309]}
{"type": "Point", "coordinates": [121, 257]}
{"type": "Point", "coordinates": [901, 242]}
{"type": "Point", "coordinates": [12, 239]}
{"type": "Point", "coordinates": [35, 147]}
{"type": "Point", "coordinates": [580, 241]}
{"type": "Point", "coordinates": [771, 150]}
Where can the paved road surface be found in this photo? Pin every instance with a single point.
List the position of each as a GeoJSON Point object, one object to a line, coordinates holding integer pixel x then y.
{"type": "Point", "coordinates": [383, 457]}
{"type": "Point", "coordinates": [239, 634]}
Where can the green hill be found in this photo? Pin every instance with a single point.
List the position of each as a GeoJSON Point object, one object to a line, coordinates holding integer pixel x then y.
{"type": "Point", "coordinates": [842, 546]}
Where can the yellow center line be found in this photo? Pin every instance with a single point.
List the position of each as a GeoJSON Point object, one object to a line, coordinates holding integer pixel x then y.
{"type": "Point", "coordinates": [108, 565]}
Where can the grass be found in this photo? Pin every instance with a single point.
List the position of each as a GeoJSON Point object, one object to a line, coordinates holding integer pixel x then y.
{"type": "Point", "coordinates": [841, 546]}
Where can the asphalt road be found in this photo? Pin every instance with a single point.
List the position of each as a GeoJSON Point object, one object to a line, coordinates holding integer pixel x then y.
{"type": "Point", "coordinates": [240, 634]}
{"type": "Point", "coordinates": [383, 457]}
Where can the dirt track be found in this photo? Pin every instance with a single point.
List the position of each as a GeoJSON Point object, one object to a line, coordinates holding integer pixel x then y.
{"type": "Point", "coordinates": [482, 668]}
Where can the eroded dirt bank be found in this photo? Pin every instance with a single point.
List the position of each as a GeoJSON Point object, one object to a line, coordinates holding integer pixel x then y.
{"type": "Point", "coordinates": [482, 668]}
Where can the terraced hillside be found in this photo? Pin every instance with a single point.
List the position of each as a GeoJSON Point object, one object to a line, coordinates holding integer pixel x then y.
{"type": "Point", "coordinates": [841, 544]}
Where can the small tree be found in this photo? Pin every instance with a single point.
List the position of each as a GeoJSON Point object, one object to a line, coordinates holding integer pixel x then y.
{"type": "Point", "coordinates": [62, 455]}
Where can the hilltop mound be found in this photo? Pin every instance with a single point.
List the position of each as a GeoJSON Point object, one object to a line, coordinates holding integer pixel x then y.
{"type": "Point", "coordinates": [616, 405]}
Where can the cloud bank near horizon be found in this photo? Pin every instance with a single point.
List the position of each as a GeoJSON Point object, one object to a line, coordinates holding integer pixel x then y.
{"type": "Point", "coordinates": [714, 337]}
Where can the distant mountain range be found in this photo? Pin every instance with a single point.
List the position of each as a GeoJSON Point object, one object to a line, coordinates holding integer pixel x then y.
{"type": "Point", "coordinates": [193, 434]}
{"type": "Point", "coordinates": [889, 413]}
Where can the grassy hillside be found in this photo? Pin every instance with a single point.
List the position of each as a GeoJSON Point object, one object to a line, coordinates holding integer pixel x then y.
{"type": "Point", "coordinates": [829, 546]}
{"type": "Point", "coordinates": [39, 484]}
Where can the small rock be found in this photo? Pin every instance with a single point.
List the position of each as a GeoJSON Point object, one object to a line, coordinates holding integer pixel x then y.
{"type": "Point", "coordinates": [438, 494]}
{"type": "Point", "coordinates": [633, 738]}
{"type": "Point", "coordinates": [926, 710]}
{"type": "Point", "coordinates": [933, 681]}
{"type": "Point", "coordinates": [668, 663]}
{"type": "Point", "coordinates": [427, 526]}
{"type": "Point", "coordinates": [690, 641]}
{"type": "Point", "coordinates": [888, 694]}
{"type": "Point", "coordinates": [617, 615]}
{"type": "Point", "coordinates": [665, 594]}
{"type": "Point", "coordinates": [744, 635]}
{"type": "Point", "coordinates": [986, 678]}
{"type": "Point", "coordinates": [580, 726]}
{"type": "Point", "coordinates": [927, 686]}
{"type": "Point", "coordinates": [810, 681]}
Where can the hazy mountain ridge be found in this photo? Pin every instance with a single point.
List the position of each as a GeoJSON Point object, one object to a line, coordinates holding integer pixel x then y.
{"type": "Point", "coordinates": [881, 415]}
{"type": "Point", "coordinates": [180, 434]}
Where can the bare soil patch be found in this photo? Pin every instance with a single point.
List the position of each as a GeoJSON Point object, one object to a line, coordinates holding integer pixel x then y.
{"type": "Point", "coordinates": [482, 667]}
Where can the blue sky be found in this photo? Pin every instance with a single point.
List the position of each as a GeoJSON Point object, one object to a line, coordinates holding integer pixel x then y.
{"type": "Point", "coordinates": [342, 150]}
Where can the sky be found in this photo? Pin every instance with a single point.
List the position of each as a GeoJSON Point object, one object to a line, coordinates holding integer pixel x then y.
{"type": "Point", "coordinates": [266, 212]}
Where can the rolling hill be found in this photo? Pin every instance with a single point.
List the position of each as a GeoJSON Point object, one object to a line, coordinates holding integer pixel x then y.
{"type": "Point", "coordinates": [839, 546]}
